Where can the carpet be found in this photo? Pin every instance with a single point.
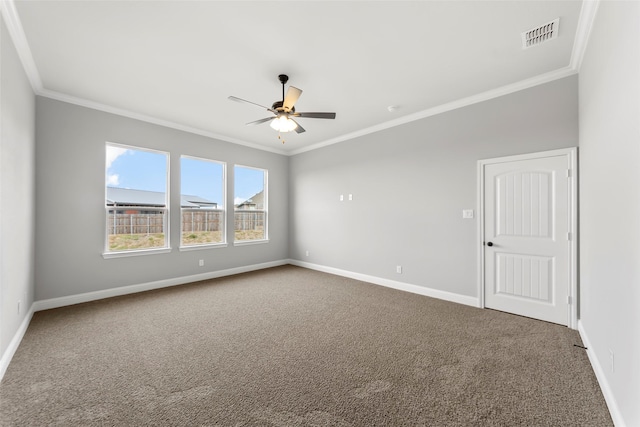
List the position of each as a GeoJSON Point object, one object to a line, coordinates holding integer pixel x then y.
{"type": "Point", "coordinates": [288, 346]}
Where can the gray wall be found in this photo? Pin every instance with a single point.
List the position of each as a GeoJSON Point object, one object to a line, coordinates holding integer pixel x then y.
{"type": "Point", "coordinates": [70, 221]}
{"type": "Point", "coordinates": [17, 191]}
{"type": "Point", "coordinates": [410, 184]}
{"type": "Point", "coordinates": [610, 201]}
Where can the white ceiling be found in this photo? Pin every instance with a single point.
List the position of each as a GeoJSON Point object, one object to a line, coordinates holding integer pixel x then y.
{"type": "Point", "coordinates": [176, 62]}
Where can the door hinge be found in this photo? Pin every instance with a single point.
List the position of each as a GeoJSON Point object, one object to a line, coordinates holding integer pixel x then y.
{"type": "Point", "coordinates": [569, 236]}
{"type": "Point", "coordinates": [569, 299]}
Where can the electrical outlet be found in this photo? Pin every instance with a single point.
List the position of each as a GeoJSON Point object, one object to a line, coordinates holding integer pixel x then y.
{"type": "Point", "coordinates": [611, 360]}
{"type": "Point", "coordinates": [350, 196]}
{"type": "Point", "coordinates": [201, 263]}
{"type": "Point", "coordinates": [19, 307]}
{"type": "Point", "coordinates": [307, 253]}
{"type": "Point", "coordinates": [467, 213]}
{"type": "Point", "coordinates": [342, 197]}
{"type": "Point", "coordinates": [399, 269]}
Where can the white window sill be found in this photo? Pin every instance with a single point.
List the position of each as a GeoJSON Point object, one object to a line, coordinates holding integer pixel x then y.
{"type": "Point", "coordinates": [250, 242]}
{"type": "Point", "coordinates": [125, 254]}
{"type": "Point", "coordinates": [201, 247]}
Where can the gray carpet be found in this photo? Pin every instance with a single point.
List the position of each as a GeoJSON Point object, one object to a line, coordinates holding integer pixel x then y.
{"type": "Point", "coordinates": [289, 346]}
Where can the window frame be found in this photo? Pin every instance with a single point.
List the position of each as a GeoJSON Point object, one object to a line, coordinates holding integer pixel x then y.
{"type": "Point", "coordinates": [265, 209]}
{"type": "Point", "coordinates": [223, 226]}
{"type": "Point", "coordinates": [107, 253]}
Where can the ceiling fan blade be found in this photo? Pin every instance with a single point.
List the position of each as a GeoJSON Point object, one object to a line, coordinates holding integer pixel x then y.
{"type": "Point", "coordinates": [235, 98]}
{"type": "Point", "coordinates": [257, 122]}
{"type": "Point", "coordinates": [293, 93]}
{"type": "Point", "coordinates": [299, 129]}
{"type": "Point", "coordinates": [316, 115]}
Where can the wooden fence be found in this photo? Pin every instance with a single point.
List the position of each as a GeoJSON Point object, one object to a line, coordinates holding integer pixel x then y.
{"type": "Point", "coordinates": [249, 220]}
{"type": "Point", "coordinates": [193, 220]}
{"type": "Point", "coordinates": [140, 223]}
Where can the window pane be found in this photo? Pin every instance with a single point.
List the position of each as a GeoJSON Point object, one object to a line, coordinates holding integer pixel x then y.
{"type": "Point", "coordinates": [136, 198]}
{"type": "Point", "coordinates": [250, 222]}
{"type": "Point", "coordinates": [202, 201]}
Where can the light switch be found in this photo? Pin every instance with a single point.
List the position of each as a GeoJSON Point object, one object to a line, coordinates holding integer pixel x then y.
{"type": "Point", "coordinates": [341, 197]}
{"type": "Point", "coordinates": [467, 213]}
{"type": "Point", "coordinates": [350, 196]}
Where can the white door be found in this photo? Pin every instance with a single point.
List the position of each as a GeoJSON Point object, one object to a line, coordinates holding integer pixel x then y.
{"type": "Point", "coordinates": [528, 253]}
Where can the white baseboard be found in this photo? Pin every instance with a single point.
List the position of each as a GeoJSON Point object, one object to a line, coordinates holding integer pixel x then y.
{"type": "Point", "coordinates": [616, 416]}
{"type": "Point", "coordinates": [108, 293]}
{"type": "Point", "coordinates": [132, 289]}
{"type": "Point", "coordinates": [407, 287]}
{"type": "Point", "coordinates": [15, 342]}
{"type": "Point", "coordinates": [125, 290]}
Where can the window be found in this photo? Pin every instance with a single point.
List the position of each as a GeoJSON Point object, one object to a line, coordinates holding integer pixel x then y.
{"type": "Point", "coordinates": [250, 202]}
{"type": "Point", "coordinates": [136, 199]}
{"type": "Point", "coordinates": [202, 201]}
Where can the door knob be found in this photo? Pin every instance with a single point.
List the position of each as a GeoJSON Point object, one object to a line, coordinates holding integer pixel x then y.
{"type": "Point", "coordinates": [489, 243]}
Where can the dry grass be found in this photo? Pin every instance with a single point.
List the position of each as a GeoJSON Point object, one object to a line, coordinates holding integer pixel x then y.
{"type": "Point", "coordinates": [257, 234]}
{"type": "Point", "coordinates": [201, 237]}
{"type": "Point", "coordinates": [128, 242]}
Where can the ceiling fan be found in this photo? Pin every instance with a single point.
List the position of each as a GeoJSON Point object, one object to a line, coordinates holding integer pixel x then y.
{"type": "Point", "coordinates": [284, 111]}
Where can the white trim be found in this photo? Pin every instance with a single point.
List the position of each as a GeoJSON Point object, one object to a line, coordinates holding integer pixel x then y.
{"type": "Point", "coordinates": [527, 156]}
{"type": "Point", "coordinates": [15, 342]}
{"type": "Point", "coordinates": [572, 164]}
{"type": "Point", "coordinates": [443, 108]}
{"type": "Point", "coordinates": [573, 242]}
{"type": "Point", "coordinates": [585, 25]}
{"type": "Point", "coordinates": [223, 230]}
{"type": "Point", "coordinates": [249, 242]}
{"type": "Point", "coordinates": [580, 42]}
{"type": "Point", "coordinates": [407, 287]}
{"type": "Point", "coordinates": [480, 232]}
{"type": "Point", "coordinates": [166, 217]}
{"type": "Point", "coordinates": [609, 397]}
{"type": "Point", "coordinates": [265, 204]}
{"type": "Point", "coordinates": [16, 31]}
{"type": "Point", "coordinates": [141, 252]}
{"type": "Point", "coordinates": [150, 119]}
{"type": "Point", "coordinates": [202, 246]}
{"type": "Point", "coordinates": [131, 289]}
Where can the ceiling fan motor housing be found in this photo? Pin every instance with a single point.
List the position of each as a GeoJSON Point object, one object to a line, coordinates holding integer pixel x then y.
{"type": "Point", "coordinates": [278, 107]}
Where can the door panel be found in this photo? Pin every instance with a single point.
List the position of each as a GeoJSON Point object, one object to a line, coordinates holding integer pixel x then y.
{"type": "Point", "coordinates": [523, 204]}
{"type": "Point", "coordinates": [524, 276]}
{"type": "Point", "coordinates": [527, 221]}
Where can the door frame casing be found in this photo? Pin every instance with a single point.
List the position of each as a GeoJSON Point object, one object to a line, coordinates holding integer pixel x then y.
{"type": "Point", "coordinates": [572, 183]}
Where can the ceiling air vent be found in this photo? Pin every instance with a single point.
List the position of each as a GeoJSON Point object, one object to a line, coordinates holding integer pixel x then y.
{"type": "Point", "coordinates": [541, 34]}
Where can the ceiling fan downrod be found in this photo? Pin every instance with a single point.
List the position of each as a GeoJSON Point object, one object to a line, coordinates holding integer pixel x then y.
{"type": "Point", "coordinates": [283, 79]}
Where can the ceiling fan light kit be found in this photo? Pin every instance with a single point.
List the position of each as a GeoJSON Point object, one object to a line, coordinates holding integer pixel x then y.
{"type": "Point", "coordinates": [283, 123]}
{"type": "Point", "coordinates": [284, 110]}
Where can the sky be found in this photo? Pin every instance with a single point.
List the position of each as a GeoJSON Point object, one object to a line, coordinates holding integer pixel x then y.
{"type": "Point", "coordinates": [147, 170]}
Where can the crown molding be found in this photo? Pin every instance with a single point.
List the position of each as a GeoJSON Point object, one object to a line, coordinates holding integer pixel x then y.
{"type": "Point", "coordinates": [14, 27]}
{"type": "Point", "coordinates": [150, 119]}
{"type": "Point", "coordinates": [16, 31]}
{"type": "Point", "coordinates": [443, 108]}
{"type": "Point", "coordinates": [585, 24]}
{"type": "Point", "coordinates": [583, 31]}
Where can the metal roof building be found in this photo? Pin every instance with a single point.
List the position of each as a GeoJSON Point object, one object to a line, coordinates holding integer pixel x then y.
{"type": "Point", "coordinates": [128, 197]}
